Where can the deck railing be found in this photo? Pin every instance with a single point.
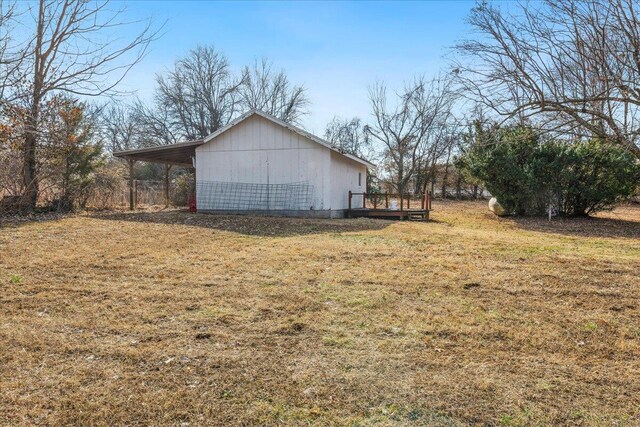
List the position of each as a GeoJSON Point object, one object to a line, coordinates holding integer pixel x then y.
{"type": "Point", "coordinates": [376, 200]}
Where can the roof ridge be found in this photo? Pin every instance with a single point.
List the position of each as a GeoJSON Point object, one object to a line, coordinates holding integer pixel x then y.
{"type": "Point", "coordinates": [289, 126]}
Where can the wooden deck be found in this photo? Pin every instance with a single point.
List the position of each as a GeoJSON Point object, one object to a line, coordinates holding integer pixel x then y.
{"type": "Point", "coordinates": [412, 214]}
{"type": "Point", "coordinates": [376, 205]}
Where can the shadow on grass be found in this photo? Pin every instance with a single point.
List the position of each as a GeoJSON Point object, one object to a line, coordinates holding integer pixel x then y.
{"type": "Point", "coordinates": [13, 221]}
{"type": "Point", "coordinates": [248, 224]}
{"type": "Point", "coordinates": [583, 227]}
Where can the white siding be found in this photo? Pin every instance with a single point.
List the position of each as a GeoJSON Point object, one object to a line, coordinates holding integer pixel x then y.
{"type": "Point", "coordinates": [344, 178]}
{"type": "Point", "coordinates": [259, 151]}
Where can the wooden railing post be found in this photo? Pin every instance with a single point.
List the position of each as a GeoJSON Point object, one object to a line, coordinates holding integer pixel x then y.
{"type": "Point", "coordinates": [424, 201]}
{"type": "Point", "coordinates": [364, 200]}
{"type": "Point", "coordinates": [401, 202]}
{"type": "Point", "coordinates": [375, 201]}
{"type": "Point", "coordinates": [350, 195]}
{"type": "Point", "coordinates": [386, 198]}
{"type": "Point", "coordinates": [408, 201]}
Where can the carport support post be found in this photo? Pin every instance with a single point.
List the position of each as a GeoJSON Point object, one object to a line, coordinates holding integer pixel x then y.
{"type": "Point", "coordinates": [131, 163]}
{"type": "Point", "coordinates": [167, 169]}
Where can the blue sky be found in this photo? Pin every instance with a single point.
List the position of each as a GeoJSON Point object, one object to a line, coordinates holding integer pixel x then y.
{"type": "Point", "coordinates": [336, 49]}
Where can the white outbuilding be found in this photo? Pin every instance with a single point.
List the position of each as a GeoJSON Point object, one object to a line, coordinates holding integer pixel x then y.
{"type": "Point", "coordinates": [260, 164]}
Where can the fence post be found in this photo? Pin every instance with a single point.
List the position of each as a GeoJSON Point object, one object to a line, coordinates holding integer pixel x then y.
{"type": "Point", "coordinates": [364, 200]}
{"type": "Point", "coordinates": [135, 193]}
{"type": "Point", "coordinates": [401, 202]}
{"type": "Point", "coordinates": [386, 198]}
{"type": "Point", "coordinates": [408, 201]}
{"type": "Point", "coordinates": [350, 194]}
{"type": "Point", "coordinates": [167, 169]}
{"type": "Point", "coordinates": [375, 201]}
{"type": "Point", "coordinates": [131, 163]}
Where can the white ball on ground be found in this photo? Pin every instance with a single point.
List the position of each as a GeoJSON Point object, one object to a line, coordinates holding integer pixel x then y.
{"type": "Point", "coordinates": [496, 208]}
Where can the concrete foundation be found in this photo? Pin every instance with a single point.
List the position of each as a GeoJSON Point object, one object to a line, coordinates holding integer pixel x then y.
{"type": "Point", "coordinates": [338, 213]}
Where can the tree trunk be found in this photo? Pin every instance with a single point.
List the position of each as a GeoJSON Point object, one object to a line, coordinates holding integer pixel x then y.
{"type": "Point", "coordinates": [443, 193]}
{"type": "Point", "coordinates": [433, 182]}
{"type": "Point", "coordinates": [29, 172]}
{"type": "Point", "coordinates": [400, 183]}
{"type": "Point", "coordinates": [459, 186]}
{"type": "Point", "coordinates": [446, 174]}
{"type": "Point", "coordinates": [29, 178]}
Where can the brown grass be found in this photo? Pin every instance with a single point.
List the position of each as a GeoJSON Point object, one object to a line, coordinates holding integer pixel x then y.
{"type": "Point", "coordinates": [170, 318]}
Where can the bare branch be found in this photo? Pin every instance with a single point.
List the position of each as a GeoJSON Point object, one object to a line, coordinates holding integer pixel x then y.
{"type": "Point", "coordinates": [576, 62]}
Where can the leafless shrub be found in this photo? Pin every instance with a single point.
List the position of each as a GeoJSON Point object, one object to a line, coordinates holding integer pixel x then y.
{"type": "Point", "coordinates": [10, 182]}
{"type": "Point", "coordinates": [108, 187]}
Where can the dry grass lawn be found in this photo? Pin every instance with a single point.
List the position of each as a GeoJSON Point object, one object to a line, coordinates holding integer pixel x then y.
{"type": "Point", "coordinates": [170, 318]}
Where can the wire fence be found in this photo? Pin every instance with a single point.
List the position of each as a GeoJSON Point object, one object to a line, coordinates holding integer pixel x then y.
{"type": "Point", "coordinates": [239, 196]}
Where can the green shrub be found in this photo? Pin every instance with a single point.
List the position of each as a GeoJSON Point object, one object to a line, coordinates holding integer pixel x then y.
{"type": "Point", "coordinates": [528, 174]}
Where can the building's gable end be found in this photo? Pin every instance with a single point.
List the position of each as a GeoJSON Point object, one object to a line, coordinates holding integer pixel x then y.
{"type": "Point", "coordinates": [306, 136]}
{"type": "Point", "coordinates": [258, 133]}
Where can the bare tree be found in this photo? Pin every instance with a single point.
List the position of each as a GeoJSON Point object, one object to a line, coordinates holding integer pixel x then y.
{"type": "Point", "coordinates": [271, 92]}
{"type": "Point", "coordinates": [573, 64]}
{"type": "Point", "coordinates": [349, 136]}
{"type": "Point", "coordinates": [200, 94]}
{"type": "Point", "coordinates": [10, 57]}
{"type": "Point", "coordinates": [411, 131]}
{"type": "Point", "coordinates": [157, 125]}
{"type": "Point", "coordinates": [136, 125]}
{"type": "Point", "coordinates": [120, 128]}
{"type": "Point", "coordinates": [71, 47]}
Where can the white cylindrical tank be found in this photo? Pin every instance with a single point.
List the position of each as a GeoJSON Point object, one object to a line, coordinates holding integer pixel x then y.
{"type": "Point", "coordinates": [496, 208]}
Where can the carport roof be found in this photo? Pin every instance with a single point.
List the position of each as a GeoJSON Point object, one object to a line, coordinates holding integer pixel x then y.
{"type": "Point", "coordinates": [180, 153]}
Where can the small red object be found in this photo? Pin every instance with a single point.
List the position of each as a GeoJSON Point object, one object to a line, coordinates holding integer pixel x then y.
{"type": "Point", "coordinates": [192, 203]}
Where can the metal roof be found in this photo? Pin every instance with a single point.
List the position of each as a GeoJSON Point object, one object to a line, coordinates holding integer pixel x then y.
{"type": "Point", "coordinates": [181, 153]}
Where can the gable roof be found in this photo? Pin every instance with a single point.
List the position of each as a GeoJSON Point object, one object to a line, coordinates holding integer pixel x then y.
{"type": "Point", "coordinates": [289, 126]}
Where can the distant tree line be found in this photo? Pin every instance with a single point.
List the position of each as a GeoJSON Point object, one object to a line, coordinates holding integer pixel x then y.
{"type": "Point", "coordinates": [566, 71]}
